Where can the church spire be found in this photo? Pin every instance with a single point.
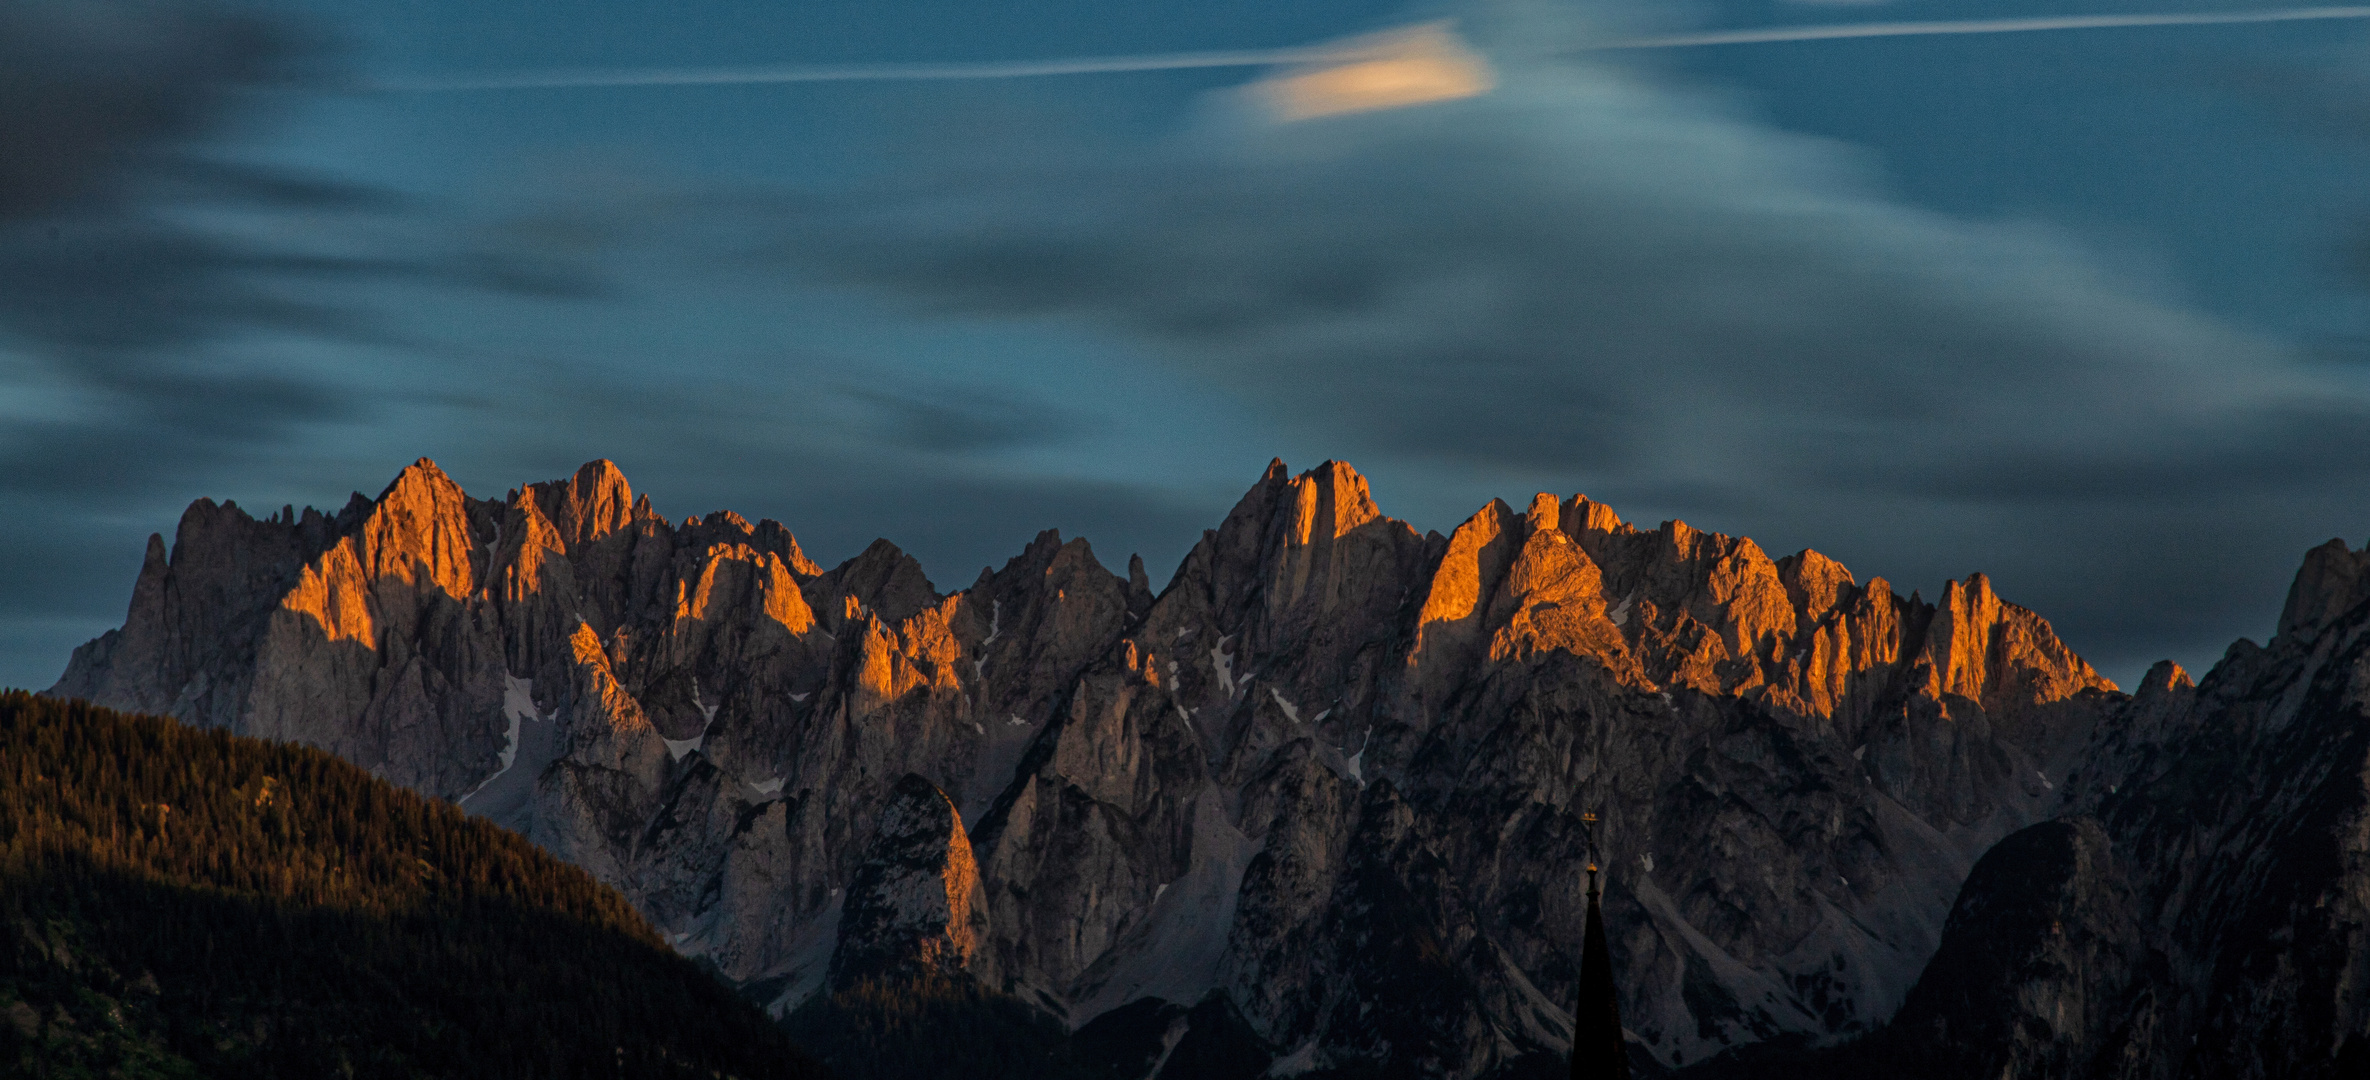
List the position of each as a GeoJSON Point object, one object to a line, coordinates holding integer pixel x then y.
{"type": "Point", "coordinates": [1598, 1051]}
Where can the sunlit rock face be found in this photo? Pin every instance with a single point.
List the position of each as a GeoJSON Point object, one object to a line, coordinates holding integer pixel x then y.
{"type": "Point", "coordinates": [1341, 775]}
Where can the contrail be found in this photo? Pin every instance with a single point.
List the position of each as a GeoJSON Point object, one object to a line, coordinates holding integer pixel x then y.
{"type": "Point", "coordinates": [1310, 54]}
{"type": "Point", "coordinates": [800, 73]}
{"type": "Point", "coordinates": [1978, 26]}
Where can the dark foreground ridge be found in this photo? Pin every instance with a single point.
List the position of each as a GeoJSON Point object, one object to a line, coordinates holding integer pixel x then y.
{"type": "Point", "coordinates": [184, 903]}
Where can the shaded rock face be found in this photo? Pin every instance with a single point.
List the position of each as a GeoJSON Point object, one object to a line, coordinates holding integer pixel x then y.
{"type": "Point", "coordinates": [2240, 819]}
{"type": "Point", "coordinates": [910, 905]}
{"type": "Point", "coordinates": [1337, 783]}
{"type": "Point", "coordinates": [2034, 963]}
{"type": "Point", "coordinates": [2204, 908]}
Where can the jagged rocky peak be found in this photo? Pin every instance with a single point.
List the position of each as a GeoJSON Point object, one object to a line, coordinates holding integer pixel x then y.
{"type": "Point", "coordinates": [2163, 678]}
{"type": "Point", "coordinates": [1702, 610]}
{"type": "Point", "coordinates": [415, 538]}
{"type": "Point", "coordinates": [729, 528]}
{"type": "Point", "coordinates": [350, 630]}
{"type": "Point", "coordinates": [2333, 580]}
{"type": "Point", "coordinates": [593, 503]}
{"type": "Point", "coordinates": [1324, 545]}
{"type": "Point", "coordinates": [883, 580]}
{"type": "Point", "coordinates": [1679, 607]}
{"type": "Point", "coordinates": [1986, 649]}
{"type": "Point", "coordinates": [1553, 598]}
{"type": "Point", "coordinates": [419, 527]}
{"type": "Point", "coordinates": [1305, 573]}
{"type": "Point", "coordinates": [1328, 729]}
{"type": "Point", "coordinates": [913, 902]}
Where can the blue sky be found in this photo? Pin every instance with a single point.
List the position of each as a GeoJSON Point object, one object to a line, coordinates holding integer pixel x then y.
{"type": "Point", "coordinates": [2080, 309]}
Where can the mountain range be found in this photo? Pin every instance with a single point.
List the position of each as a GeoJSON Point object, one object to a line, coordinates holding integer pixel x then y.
{"type": "Point", "coordinates": [1324, 804]}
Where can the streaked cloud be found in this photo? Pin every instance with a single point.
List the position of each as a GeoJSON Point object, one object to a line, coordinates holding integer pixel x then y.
{"type": "Point", "coordinates": [1589, 277]}
{"type": "Point", "coordinates": [1592, 278]}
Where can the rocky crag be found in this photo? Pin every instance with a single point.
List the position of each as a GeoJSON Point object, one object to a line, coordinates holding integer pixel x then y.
{"type": "Point", "coordinates": [2209, 915]}
{"type": "Point", "coordinates": [1333, 788]}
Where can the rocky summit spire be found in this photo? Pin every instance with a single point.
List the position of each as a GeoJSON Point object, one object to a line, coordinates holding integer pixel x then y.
{"type": "Point", "coordinates": [1598, 1050]}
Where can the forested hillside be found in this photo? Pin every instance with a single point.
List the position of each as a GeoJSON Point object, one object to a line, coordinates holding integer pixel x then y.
{"type": "Point", "coordinates": [177, 902]}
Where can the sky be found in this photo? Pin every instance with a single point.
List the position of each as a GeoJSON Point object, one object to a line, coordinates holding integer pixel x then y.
{"type": "Point", "coordinates": [2079, 309]}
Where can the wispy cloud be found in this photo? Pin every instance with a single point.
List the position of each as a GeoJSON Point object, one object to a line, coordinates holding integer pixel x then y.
{"type": "Point", "coordinates": [177, 321]}
{"type": "Point", "coordinates": [1588, 278]}
{"type": "Point", "coordinates": [1595, 279]}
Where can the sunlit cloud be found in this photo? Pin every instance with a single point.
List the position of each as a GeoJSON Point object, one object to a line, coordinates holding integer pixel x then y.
{"type": "Point", "coordinates": [1394, 69]}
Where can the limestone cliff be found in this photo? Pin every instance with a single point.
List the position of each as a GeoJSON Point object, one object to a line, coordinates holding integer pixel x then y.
{"type": "Point", "coordinates": [1335, 783]}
